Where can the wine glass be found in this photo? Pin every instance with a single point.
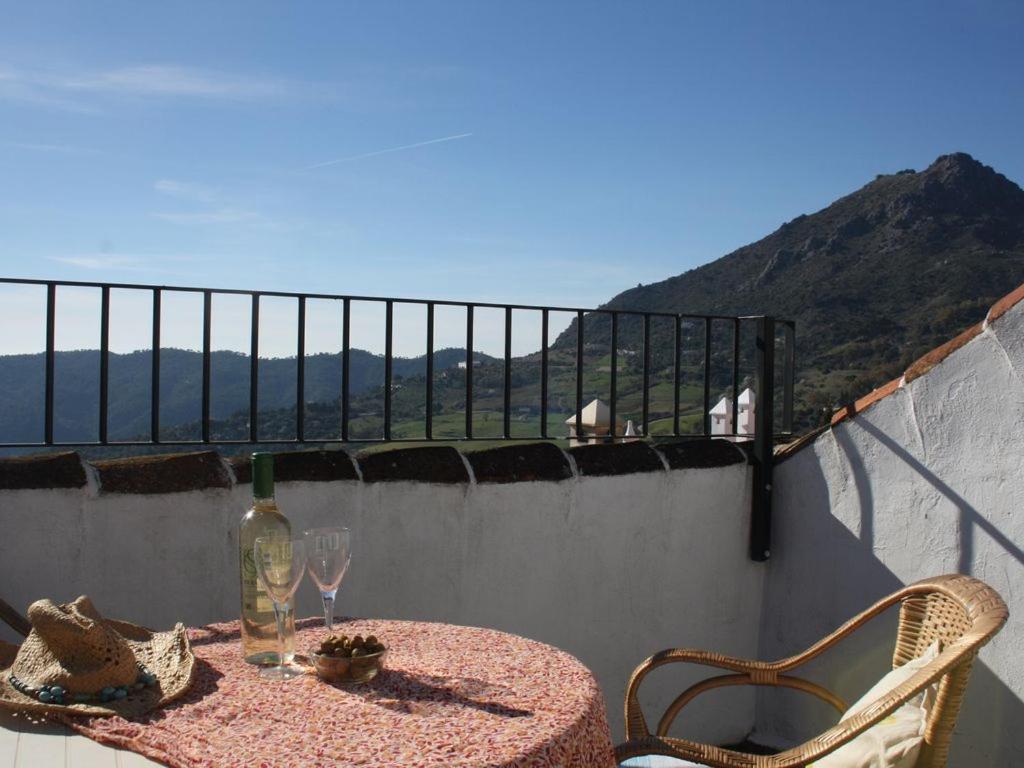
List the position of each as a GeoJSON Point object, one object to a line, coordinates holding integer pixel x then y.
{"type": "Point", "coordinates": [280, 564]}
{"type": "Point", "coordinates": [328, 552]}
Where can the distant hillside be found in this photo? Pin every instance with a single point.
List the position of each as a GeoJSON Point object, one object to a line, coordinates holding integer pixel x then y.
{"type": "Point", "coordinates": [874, 280]}
{"type": "Point", "coordinates": [76, 394]}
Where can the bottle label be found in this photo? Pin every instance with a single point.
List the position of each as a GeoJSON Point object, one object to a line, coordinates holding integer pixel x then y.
{"type": "Point", "coordinates": [254, 597]}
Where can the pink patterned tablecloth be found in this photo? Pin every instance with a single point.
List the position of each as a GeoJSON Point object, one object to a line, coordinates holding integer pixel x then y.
{"type": "Point", "coordinates": [449, 696]}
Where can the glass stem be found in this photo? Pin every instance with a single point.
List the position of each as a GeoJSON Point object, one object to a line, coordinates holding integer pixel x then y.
{"type": "Point", "coordinates": [328, 610]}
{"type": "Point", "coordinates": [279, 614]}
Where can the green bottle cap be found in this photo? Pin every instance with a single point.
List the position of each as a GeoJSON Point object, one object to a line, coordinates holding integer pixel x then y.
{"type": "Point", "coordinates": [263, 475]}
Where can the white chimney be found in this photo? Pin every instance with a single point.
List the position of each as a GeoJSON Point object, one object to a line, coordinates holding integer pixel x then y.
{"type": "Point", "coordinates": [747, 404]}
{"type": "Point", "coordinates": [721, 417]}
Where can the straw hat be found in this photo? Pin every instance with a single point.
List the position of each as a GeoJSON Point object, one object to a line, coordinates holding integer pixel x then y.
{"type": "Point", "coordinates": [76, 662]}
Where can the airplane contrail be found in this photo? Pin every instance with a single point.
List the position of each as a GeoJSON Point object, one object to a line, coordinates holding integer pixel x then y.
{"type": "Point", "coordinates": [390, 149]}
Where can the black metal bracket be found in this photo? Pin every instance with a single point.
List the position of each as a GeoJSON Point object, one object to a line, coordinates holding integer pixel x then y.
{"type": "Point", "coordinates": [764, 442]}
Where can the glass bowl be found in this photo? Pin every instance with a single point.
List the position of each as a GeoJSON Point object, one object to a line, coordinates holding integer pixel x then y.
{"type": "Point", "coordinates": [340, 669]}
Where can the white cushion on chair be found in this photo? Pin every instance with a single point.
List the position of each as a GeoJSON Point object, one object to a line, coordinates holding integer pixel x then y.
{"type": "Point", "coordinates": [896, 741]}
{"type": "Point", "coordinates": [657, 761]}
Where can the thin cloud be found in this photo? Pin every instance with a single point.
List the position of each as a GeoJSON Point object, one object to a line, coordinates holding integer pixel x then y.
{"type": "Point", "coordinates": [210, 205]}
{"type": "Point", "coordinates": [120, 261]}
{"type": "Point", "coordinates": [157, 80]}
{"type": "Point", "coordinates": [389, 150]}
{"type": "Point", "coordinates": [64, 90]}
{"type": "Point", "coordinates": [66, 149]}
{"type": "Point", "coordinates": [221, 216]}
{"type": "Point", "coordinates": [187, 190]}
{"type": "Point", "coordinates": [214, 209]}
{"type": "Point", "coordinates": [24, 87]}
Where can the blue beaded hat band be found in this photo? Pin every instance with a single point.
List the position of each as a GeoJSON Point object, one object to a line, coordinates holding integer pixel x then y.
{"type": "Point", "coordinates": [57, 694]}
{"type": "Point", "coordinates": [77, 662]}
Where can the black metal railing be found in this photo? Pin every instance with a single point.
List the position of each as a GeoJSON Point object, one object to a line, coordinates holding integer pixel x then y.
{"type": "Point", "coordinates": [764, 378]}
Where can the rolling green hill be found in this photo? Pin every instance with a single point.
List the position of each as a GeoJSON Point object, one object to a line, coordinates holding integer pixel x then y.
{"type": "Point", "coordinates": [76, 391]}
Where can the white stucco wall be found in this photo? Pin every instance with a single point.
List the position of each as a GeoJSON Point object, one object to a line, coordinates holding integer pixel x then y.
{"type": "Point", "coordinates": [929, 480]}
{"type": "Point", "coordinates": [609, 568]}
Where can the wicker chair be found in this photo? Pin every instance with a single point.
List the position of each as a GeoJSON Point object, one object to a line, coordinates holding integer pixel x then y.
{"type": "Point", "coordinates": [961, 612]}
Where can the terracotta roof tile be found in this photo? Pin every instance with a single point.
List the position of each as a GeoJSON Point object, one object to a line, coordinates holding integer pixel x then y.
{"type": "Point", "coordinates": [783, 452]}
{"type": "Point", "coordinates": [1004, 305]}
{"type": "Point", "coordinates": [865, 402]}
{"type": "Point", "coordinates": [928, 361]}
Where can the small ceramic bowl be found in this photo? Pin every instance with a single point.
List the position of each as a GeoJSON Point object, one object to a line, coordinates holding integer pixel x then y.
{"type": "Point", "coordinates": [338, 669]}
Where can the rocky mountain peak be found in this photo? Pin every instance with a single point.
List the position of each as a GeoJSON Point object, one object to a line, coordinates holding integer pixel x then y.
{"type": "Point", "coordinates": [873, 280]}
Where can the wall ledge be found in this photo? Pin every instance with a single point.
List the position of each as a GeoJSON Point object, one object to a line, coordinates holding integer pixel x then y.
{"type": "Point", "coordinates": [616, 459]}
{"type": "Point", "coordinates": [520, 462]}
{"type": "Point", "coordinates": [300, 466]}
{"type": "Point", "coordinates": [512, 462]}
{"type": "Point", "coordinates": [704, 454]}
{"type": "Point", "coordinates": [53, 470]}
{"type": "Point", "coordinates": [427, 464]}
{"type": "Point", "coordinates": [168, 473]}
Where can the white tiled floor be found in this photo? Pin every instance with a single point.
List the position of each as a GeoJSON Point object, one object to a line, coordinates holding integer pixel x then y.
{"type": "Point", "coordinates": [24, 744]}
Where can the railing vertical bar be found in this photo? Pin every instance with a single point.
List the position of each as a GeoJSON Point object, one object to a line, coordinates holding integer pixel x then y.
{"type": "Point", "coordinates": [707, 376]}
{"type": "Point", "coordinates": [507, 402]}
{"type": "Point", "coordinates": [254, 368]}
{"type": "Point", "coordinates": [736, 376]}
{"type": "Point", "coordinates": [207, 324]}
{"type": "Point", "coordinates": [104, 359]}
{"type": "Point", "coordinates": [51, 327]}
{"type": "Point", "coordinates": [579, 399]}
{"type": "Point", "coordinates": [788, 374]}
{"type": "Point", "coordinates": [544, 373]}
{"type": "Point", "coordinates": [613, 394]}
{"type": "Point", "coordinates": [761, 514]}
{"type": "Point", "coordinates": [429, 427]}
{"type": "Point", "coordinates": [469, 371]}
{"type": "Point", "coordinates": [300, 372]}
{"type": "Point", "coordinates": [154, 383]}
{"type": "Point", "coordinates": [389, 327]}
{"type": "Point", "coordinates": [677, 378]}
{"type": "Point", "coordinates": [346, 337]}
{"type": "Point", "coordinates": [647, 376]}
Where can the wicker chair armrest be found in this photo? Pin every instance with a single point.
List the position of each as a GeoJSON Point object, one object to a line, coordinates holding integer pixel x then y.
{"type": "Point", "coordinates": [722, 681]}
{"type": "Point", "coordinates": [758, 672]}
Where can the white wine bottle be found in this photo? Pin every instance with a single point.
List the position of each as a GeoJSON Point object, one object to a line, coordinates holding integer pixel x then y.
{"type": "Point", "coordinates": [259, 627]}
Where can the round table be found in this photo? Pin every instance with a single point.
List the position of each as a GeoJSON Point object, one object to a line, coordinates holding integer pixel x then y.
{"type": "Point", "coordinates": [448, 696]}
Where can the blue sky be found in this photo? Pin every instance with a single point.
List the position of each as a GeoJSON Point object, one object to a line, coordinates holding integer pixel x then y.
{"type": "Point", "coordinates": [532, 152]}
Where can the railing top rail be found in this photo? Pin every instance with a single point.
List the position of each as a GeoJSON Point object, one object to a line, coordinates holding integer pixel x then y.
{"type": "Point", "coordinates": [356, 297]}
